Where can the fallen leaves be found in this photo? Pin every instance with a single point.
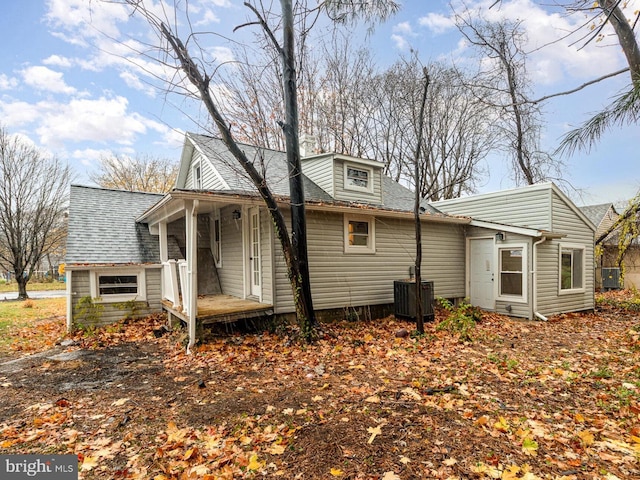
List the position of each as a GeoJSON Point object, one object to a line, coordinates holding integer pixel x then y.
{"type": "Point", "coordinates": [524, 401]}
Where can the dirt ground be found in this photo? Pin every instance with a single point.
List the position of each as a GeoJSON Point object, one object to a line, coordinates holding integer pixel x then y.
{"type": "Point", "coordinates": [524, 399]}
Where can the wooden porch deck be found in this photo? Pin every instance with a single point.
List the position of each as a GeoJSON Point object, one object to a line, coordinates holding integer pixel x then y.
{"type": "Point", "coordinates": [222, 309]}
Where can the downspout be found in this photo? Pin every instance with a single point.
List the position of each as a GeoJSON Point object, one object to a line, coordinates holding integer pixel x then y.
{"type": "Point", "coordinates": [192, 273]}
{"type": "Point", "coordinates": [534, 293]}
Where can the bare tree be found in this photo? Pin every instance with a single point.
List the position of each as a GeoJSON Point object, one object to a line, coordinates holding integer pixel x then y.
{"type": "Point", "coordinates": [199, 73]}
{"type": "Point", "coordinates": [456, 135]}
{"type": "Point", "coordinates": [504, 85]}
{"type": "Point", "coordinates": [142, 173]}
{"type": "Point", "coordinates": [33, 202]}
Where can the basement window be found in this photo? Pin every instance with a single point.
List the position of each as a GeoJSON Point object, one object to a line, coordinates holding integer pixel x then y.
{"type": "Point", "coordinates": [118, 285]}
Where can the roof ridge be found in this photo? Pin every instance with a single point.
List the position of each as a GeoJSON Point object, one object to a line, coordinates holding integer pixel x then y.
{"type": "Point", "coordinates": [116, 190]}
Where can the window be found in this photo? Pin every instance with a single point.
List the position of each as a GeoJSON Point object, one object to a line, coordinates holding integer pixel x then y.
{"type": "Point", "coordinates": [359, 235]}
{"type": "Point", "coordinates": [216, 238]}
{"type": "Point", "coordinates": [197, 177]}
{"type": "Point", "coordinates": [512, 261]}
{"type": "Point", "coordinates": [571, 268]}
{"type": "Point", "coordinates": [358, 178]}
{"type": "Point", "coordinates": [118, 285]}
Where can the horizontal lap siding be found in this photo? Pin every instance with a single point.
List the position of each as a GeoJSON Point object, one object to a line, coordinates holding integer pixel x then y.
{"type": "Point", "coordinates": [113, 312]}
{"type": "Point", "coordinates": [320, 172]}
{"type": "Point", "coordinates": [522, 208]}
{"type": "Point", "coordinates": [567, 221]}
{"type": "Point", "coordinates": [231, 273]}
{"type": "Point", "coordinates": [356, 195]}
{"type": "Point", "coordinates": [518, 309]}
{"type": "Point", "coordinates": [266, 247]}
{"type": "Point", "coordinates": [341, 279]}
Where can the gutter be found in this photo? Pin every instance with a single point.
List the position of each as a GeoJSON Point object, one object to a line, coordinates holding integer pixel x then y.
{"type": "Point", "coordinates": [534, 292]}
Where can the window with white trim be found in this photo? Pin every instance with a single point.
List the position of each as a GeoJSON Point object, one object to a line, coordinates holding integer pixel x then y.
{"type": "Point", "coordinates": [571, 268]}
{"type": "Point", "coordinates": [197, 176]}
{"type": "Point", "coordinates": [512, 266]}
{"type": "Point", "coordinates": [359, 234]}
{"type": "Point", "coordinates": [118, 285]}
{"type": "Point", "coordinates": [358, 178]}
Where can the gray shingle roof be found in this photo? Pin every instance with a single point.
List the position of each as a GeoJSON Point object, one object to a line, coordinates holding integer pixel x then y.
{"type": "Point", "coordinates": [596, 213]}
{"type": "Point", "coordinates": [394, 195]}
{"type": "Point", "coordinates": [102, 227]}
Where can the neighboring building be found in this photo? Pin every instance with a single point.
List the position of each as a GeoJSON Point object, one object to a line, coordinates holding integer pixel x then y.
{"type": "Point", "coordinates": [221, 260]}
{"type": "Point", "coordinates": [603, 216]}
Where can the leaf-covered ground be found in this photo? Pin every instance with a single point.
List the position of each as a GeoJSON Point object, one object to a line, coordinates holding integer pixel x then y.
{"type": "Point", "coordinates": [523, 400]}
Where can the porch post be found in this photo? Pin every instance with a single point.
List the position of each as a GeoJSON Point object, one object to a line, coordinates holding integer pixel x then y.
{"type": "Point", "coordinates": [164, 253]}
{"type": "Point", "coordinates": [191, 223]}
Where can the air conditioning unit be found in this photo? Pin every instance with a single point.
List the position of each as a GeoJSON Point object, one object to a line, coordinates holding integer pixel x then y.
{"type": "Point", "coordinates": [404, 299]}
{"type": "Point", "coordinates": [611, 279]}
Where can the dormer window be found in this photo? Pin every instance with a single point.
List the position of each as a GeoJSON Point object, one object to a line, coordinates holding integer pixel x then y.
{"type": "Point", "coordinates": [358, 178]}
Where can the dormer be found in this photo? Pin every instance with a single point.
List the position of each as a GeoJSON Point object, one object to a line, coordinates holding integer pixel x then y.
{"type": "Point", "coordinates": [346, 178]}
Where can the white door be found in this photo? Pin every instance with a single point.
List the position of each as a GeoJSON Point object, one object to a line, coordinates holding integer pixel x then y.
{"type": "Point", "coordinates": [254, 251]}
{"type": "Point", "coordinates": [481, 274]}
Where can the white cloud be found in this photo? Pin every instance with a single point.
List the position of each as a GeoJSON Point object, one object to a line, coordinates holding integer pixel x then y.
{"type": "Point", "coordinates": [43, 78]}
{"type": "Point", "coordinates": [7, 83]}
{"type": "Point", "coordinates": [403, 28]}
{"type": "Point", "coordinates": [90, 156]}
{"type": "Point", "coordinates": [552, 58]}
{"type": "Point", "coordinates": [83, 20]}
{"type": "Point", "coordinates": [58, 61]}
{"type": "Point", "coordinates": [400, 42]}
{"type": "Point", "coordinates": [437, 22]}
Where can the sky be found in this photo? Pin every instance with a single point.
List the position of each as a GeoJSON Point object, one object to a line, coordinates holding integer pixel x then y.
{"type": "Point", "coordinates": [74, 83]}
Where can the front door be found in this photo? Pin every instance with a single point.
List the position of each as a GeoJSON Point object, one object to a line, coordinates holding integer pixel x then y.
{"type": "Point", "coordinates": [481, 273]}
{"type": "Point", "coordinates": [254, 251]}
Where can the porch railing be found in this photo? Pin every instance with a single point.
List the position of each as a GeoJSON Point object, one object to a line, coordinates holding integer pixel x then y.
{"type": "Point", "coordinates": [184, 283]}
{"type": "Point", "coordinates": [170, 283]}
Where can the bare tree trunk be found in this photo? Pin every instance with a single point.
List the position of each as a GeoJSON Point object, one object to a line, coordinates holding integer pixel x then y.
{"type": "Point", "coordinates": [202, 84]}
{"type": "Point", "coordinates": [626, 36]}
{"type": "Point", "coordinates": [416, 210]}
{"type": "Point", "coordinates": [302, 295]}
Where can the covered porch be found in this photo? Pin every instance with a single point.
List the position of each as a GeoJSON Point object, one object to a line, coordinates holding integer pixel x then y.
{"type": "Point", "coordinates": [221, 309]}
{"type": "Point", "coordinates": [212, 249]}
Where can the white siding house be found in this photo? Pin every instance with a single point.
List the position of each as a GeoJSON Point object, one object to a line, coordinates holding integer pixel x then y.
{"type": "Point", "coordinates": [521, 252]}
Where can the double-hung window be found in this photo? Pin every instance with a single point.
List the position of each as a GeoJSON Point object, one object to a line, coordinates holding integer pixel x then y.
{"type": "Point", "coordinates": [197, 176]}
{"type": "Point", "coordinates": [358, 178]}
{"type": "Point", "coordinates": [571, 268]}
{"type": "Point", "coordinates": [512, 265]}
{"type": "Point", "coordinates": [359, 234]}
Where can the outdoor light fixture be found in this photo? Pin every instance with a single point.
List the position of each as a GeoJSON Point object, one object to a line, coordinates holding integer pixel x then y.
{"type": "Point", "coordinates": [236, 214]}
{"type": "Point", "coordinates": [499, 237]}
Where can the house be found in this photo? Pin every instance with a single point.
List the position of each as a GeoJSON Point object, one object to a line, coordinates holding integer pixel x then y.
{"type": "Point", "coordinates": [218, 258]}
{"type": "Point", "coordinates": [539, 262]}
{"type": "Point", "coordinates": [603, 216]}
{"type": "Point", "coordinates": [609, 271]}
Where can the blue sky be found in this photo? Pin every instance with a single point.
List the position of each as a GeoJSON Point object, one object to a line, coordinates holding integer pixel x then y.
{"type": "Point", "coordinates": [62, 87]}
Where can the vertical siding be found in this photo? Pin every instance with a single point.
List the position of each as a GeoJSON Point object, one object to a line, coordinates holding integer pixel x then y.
{"type": "Point", "coordinates": [340, 279]}
{"type": "Point", "coordinates": [550, 301]}
{"type": "Point", "coordinates": [113, 312]}
{"type": "Point", "coordinates": [232, 271]}
{"type": "Point", "coordinates": [356, 195]}
{"type": "Point", "coordinates": [320, 172]}
{"type": "Point", "coordinates": [524, 207]}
